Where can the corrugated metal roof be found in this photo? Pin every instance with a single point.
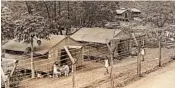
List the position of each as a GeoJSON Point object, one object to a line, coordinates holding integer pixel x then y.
{"type": "Point", "coordinates": [45, 44]}
{"type": "Point", "coordinates": [98, 35]}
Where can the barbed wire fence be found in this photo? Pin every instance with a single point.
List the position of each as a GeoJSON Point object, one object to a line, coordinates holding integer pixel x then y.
{"type": "Point", "coordinates": [90, 67]}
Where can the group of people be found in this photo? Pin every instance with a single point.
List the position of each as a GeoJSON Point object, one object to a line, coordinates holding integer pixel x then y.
{"type": "Point", "coordinates": [58, 71]}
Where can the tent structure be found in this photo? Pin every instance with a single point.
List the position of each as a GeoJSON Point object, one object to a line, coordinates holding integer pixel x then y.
{"type": "Point", "coordinates": [49, 52]}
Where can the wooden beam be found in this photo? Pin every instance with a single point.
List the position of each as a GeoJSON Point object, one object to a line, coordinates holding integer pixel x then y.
{"type": "Point", "coordinates": [136, 42]}
{"type": "Point", "coordinates": [4, 77]}
{"type": "Point", "coordinates": [69, 54]}
{"type": "Point", "coordinates": [110, 49]}
{"type": "Point", "coordinates": [75, 47]}
{"type": "Point", "coordinates": [15, 65]}
{"type": "Point", "coordinates": [73, 64]}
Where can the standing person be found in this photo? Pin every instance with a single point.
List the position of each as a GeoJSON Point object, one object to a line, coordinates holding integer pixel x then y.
{"type": "Point", "coordinates": [55, 71]}
{"type": "Point", "coordinates": [106, 65]}
{"type": "Point", "coordinates": [65, 70]}
{"type": "Point", "coordinates": [142, 53]}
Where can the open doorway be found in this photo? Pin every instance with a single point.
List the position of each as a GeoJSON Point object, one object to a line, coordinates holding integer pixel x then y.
{"type": "Point", "coordinates": [64, 57]}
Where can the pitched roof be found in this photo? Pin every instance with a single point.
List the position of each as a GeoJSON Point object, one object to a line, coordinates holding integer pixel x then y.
{"type": "Point", "coordinates": [120, 11]}
{"type": "Point", "coordinates": [45, 44]}
{"type": "Point", "coordinates": [98, 35]}
{"type": "Point", "coordinates": [48, 44]}
{"type": "Point", "coordinates": [135, 10]}
{"type": "Point", "coordinates": [17, 46]}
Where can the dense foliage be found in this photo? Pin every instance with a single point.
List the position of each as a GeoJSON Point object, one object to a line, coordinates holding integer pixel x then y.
{"type": "Point", "coordinates": [60, 16]}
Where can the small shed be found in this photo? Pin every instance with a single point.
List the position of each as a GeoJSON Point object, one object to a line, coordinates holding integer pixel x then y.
{"type": "Point", "coordinates": [49, 51]}
{"type": "Point", "coordinates": [123, 14]}
{"type": "Point", "coordinates": [95, 39]}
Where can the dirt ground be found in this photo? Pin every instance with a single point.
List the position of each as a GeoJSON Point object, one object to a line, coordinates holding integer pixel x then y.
{"type": "Point", "coordinates": [124, 70]}
{"type": "Point", "coordinates": [163, 78]}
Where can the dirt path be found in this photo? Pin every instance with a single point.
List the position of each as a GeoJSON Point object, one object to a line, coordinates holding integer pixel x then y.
{"type": "Point", "coordinates": [163, 78]}
{"type": "Point", "coordinates": [96, 78]}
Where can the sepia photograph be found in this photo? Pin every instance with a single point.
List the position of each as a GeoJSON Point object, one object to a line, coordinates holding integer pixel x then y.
{"type": "Point", "coordinates": [87, 44]}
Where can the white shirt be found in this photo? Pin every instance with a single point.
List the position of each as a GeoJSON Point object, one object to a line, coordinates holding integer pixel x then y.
{"type": "Point", "coordinates": [55, 69]}
{"type": "Point", "coordinates": [106, 63]}
{"type": "Point", "coordinates": [142, 52]}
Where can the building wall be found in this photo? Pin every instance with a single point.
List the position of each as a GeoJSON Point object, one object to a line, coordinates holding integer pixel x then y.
{"type": "Point", "coordinates": [96, 51]}
{"type": "Point", "coordinates": [130, 14]}
{"type": "Point", "coordinates": [135, 14]}
{"type": "Point", "coordinates": [102, 51]}
{"type": "Point", "coordinates": [55, 52]}
{"type": "Point", "coordinates": [122, 16]}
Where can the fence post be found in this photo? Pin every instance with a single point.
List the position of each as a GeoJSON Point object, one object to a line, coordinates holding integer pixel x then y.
{"type": "Point", "coordinates": [73, 65]}
{"type": "Point", "coordinates": [138, 63]}
{"type": "Point", "coordinates": [32, 59]}
{"type": "Point", "coordinates": [138, 56]}
{"type": "Point", "coordinates": [143, 42]}
{"type": "Point", "coordinates": [73, 75]}
{"type": "Point", "coordinates": [111, 73]}
{"type": "Point", "coordinates": [160, 51]}
{"type": "Point", "coordinates": [7, 83]}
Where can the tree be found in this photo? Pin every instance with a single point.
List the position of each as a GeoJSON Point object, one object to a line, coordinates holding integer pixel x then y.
{"type": "Point", "coordinates": [30, 28]}
{"type": "Point", "coordinates": [7, 24]}
{"type": "Point", "coordinates": [160, 17]}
